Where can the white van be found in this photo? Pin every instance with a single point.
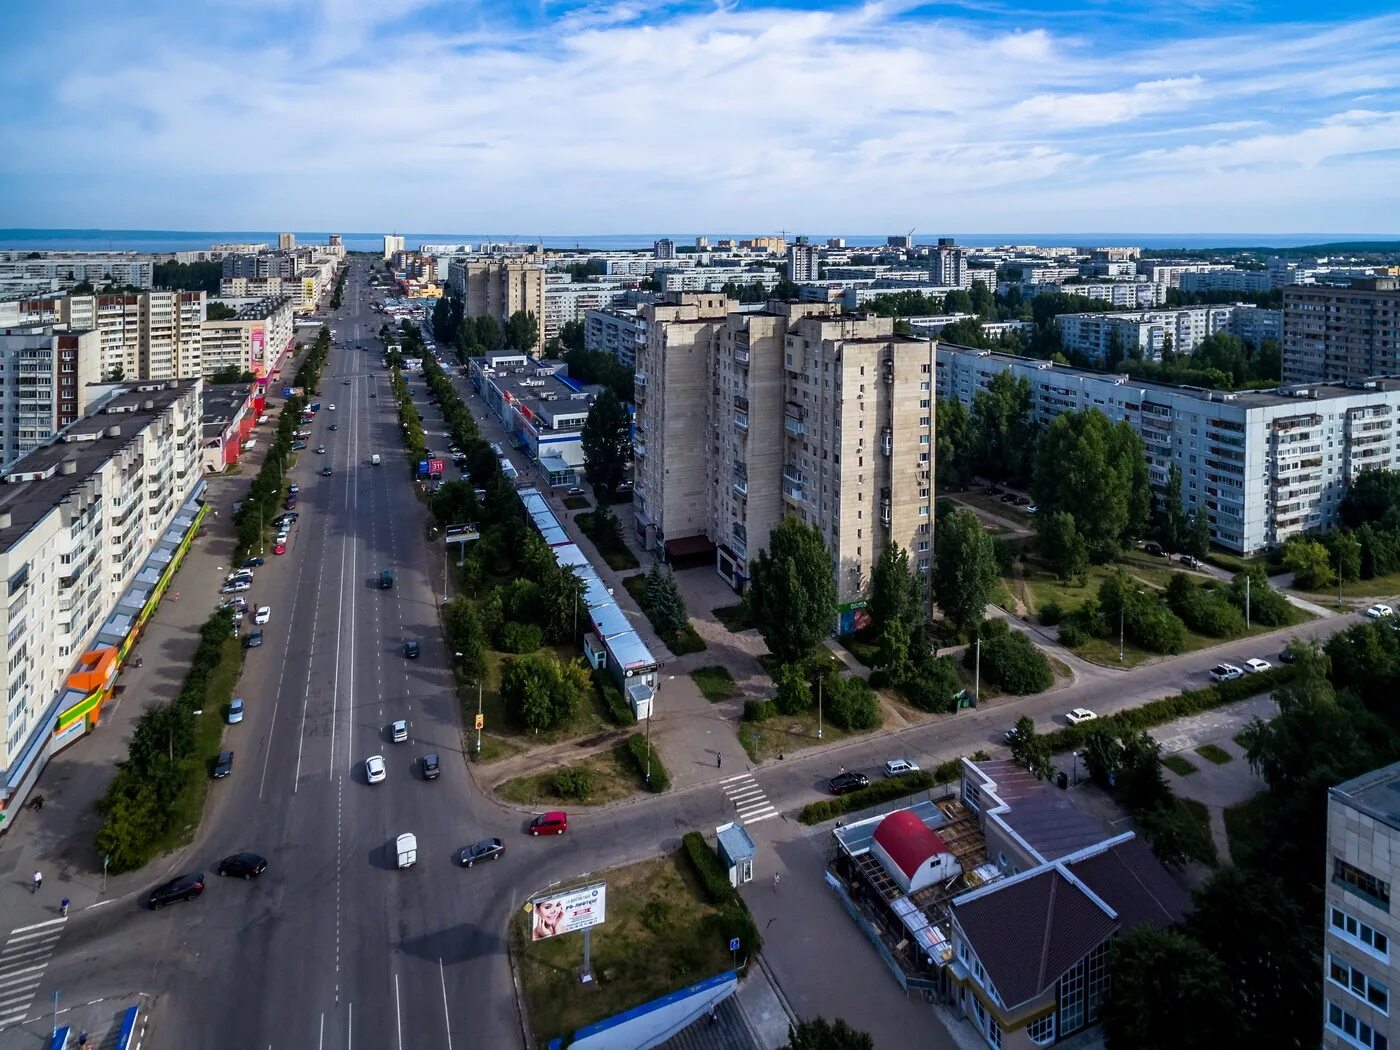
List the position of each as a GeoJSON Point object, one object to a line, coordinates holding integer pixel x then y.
{"type": "Point", "coordinates": [374, 459]}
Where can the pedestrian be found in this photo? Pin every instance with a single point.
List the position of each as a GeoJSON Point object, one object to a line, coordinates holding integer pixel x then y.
{"type": "Point", "coordinates": [83, 1040]}
{"type": "Point", "coordinates": [719, 760]}
{"type": "Point", "coordinates": [776, 879]}
{"type": "Point", "coordinates": [37, 882]}
{"type": "Point", "coordinates": [63, 907]}
{"type": "Point", "coordinates": [38, 801]}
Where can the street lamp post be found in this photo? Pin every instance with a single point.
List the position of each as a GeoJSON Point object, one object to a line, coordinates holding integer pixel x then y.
{"type": "Point", "coordinates": [977, 673]}
{"type": "Point", "coordinates": [1121, 605]}
{"type": "Point", "coordinates": [819, 708]}
{"type": "Point", "coordinates": [651, 713]}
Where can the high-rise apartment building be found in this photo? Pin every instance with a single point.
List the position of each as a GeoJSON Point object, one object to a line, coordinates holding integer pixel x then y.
{"type": "Point", "coordinates": [803, 261]}
{"type": "Point", "coordinates": [619, 332]}
{"type": "Point", "coordinates": [1341, 334]}
{"type": "Point", "coordinates": [392, 243]}
{"type": "Point", "coordinates": [500, 287]}
{"type": "Point", "coordinates": [92, 525]}
{"type": "Point", "coordinates": [145, 335]}
{"type": "Point", "coordinates": [253, 340]}
{"type": "Point", "coordinates": [665, 248]}
{"type": "Point", "coordinates": [1359, 922]}
{"type": "Point", "coordinates": [746, 417]}
{"type": "Point", "coordinates": [44, 376]}
{"type": "Point", "coordinates": [286, 242]}
{"type": "Point", "coordinates": [950, 265]}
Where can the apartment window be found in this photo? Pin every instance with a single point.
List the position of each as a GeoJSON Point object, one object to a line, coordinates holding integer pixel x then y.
{"type": "Point", "coordinates": [923, 439]}
{"type": "Point", "coordinates": [923, 457]}
{"type": "Point", "coordinates": [1357, 1033]}
{"type": "Point", "coordinates": [923, 494]}
{"type": "Point", "coordinates": [925, 385]}
{"type": "Point", "coordinates": [923, 512]}
{"type": "Point", "coordinates": [923, 369]}
{"type": "Point", "coordinates": [923, 421]}
{"type": "Point", "coordinates": [1358, 933]}
{"type": "Point", "coordinates": [1344, 975]}
{"type": "Point", "coordinates": [923, 402]}
{"type": "Point", "coordinates": [923, 546]}
{"type": "Point", "coordinates": [923, 529]}
{"type": "Point", "coordinates": [1362, 883]}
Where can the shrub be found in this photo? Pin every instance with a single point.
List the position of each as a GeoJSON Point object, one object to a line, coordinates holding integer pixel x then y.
{"type": "Point", "coordinates": [1051, 614]}
{"type": "Point", "coordinates": [1154, 627]}
{"type": "Point", "coordinates": [1211, 614]}
{"type": "Point", "coordinates": [851, 703]}
{"type": "Point", "coordinates": [759, 710]}
{"type": "Point", "coordinates": [880, 791]}
{"type": "Point", "coordinates": [880, 679]}
{"type": "Point", "coordinates": [713, 878]}
{"type": "Point", "coordinates": [933, 685]}
{"type": "Point", "coordinates": [573, 783]}
{"type": "Point", "coordinates": [660, 779]}
{"type": "Point", "coordinates": [1072, 635]}
{"type": "Point", "coordinates": [947, 772]}
{"type": "Point", "coordinates": [794, 693]}
{"type": "Point", "coordinates": [520, 637]}
{"type": "Point", "coordinates": [1011, 660]}
{"type": "Point", "coordinates": [1005, 552]}
{"type": "Point", "coordinates": [618, 709]}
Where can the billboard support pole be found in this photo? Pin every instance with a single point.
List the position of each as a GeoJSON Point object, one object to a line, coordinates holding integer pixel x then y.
{"type": "Point", "coordinates": [587, 974]}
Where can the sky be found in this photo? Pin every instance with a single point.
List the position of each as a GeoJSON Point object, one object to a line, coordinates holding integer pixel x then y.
{"type": "Point", "coordinates": [531, 117]}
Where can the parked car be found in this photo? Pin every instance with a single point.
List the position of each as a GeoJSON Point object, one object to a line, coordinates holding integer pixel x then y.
{"type": "Point", "coordinates": [1009, 736]}
{"type": "Point", "coordinates": [280, 548]}
{"type": "Point", "coordinates": [555, 822]}
{"type": "Point", "coordinates": [239, 574]}
{"type": "Point", "coordinates": [1189, 560]}
{"type": "Point", "coordinates": [236, 587]}
{"type": "Point", "coordinates": [486, 849]}
{"type": "Point", "coordinates": [180, 888]}
{"type": "Point", "coordinates": [293, 489]}
{"type": "Point", "coordinates": [897, 767]}
{"type": "Point", "coordinates": [223, 765]}
{"type": "Point", "coordinates": [1225, 672]}
{"type": "Point", "coordinates": [845, 782]}
{"type": "Point", "coordinates": [374, 769]}
{"type": "Point", "coordinates": [1379, 611]}
{"type": "Point", "coordinates": [399, 731]}
{"type": "Point", "coordinates": [235, 712]}
{"type": "Point", "coordinates": [1257, 666]}
{"type": "Point", "coordinates": [252, 563]}
{"type": "Point", "coordinates": [1154, 548]}
{"type": "Point", "coordinates": [243, 865]}
{"type": "Point", "coordinates": [1287, 656]}
{"type": "Point", "coordinates": [263, 615]}
{"type": "Point", "coordinates": [254, 640]}
{"type": "Point", "coordinates": [1080, 715]}
{"type": "Point", "coordinates": [410, 650]}
{"type": "Point", "coordinates": [432, 766]}
{"type": "Point", "coordinates": [1032, 509]}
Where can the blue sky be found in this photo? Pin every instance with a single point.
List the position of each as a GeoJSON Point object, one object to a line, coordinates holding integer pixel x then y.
{"type": "Point", "coordinates": [553, 117]}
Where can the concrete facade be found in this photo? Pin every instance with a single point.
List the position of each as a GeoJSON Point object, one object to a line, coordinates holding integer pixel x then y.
{"type": "Point", "coordinates": [500, 287]}
{"type": "Point", "coordinates": [622, 333]}
{"type": "Point", "coordinates": [1150, 333]}
{"type": "Point", "coordinates": [146, 335]}
{"type": "Point", "coordinates": [1341, 334]}
{"type": "Point", "coordinates": [253, 341]}
{"type": "Point", "coordinates": [44, 378]}
{"type": "Point", "coordinates": [97, 268]}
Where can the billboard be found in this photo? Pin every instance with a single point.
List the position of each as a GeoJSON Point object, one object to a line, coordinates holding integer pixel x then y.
{"type": "Point", "coordinates": [435, 467]}
{"type": "Point", "coordinates": [568, 911]}
{"type": "Point", "coordinates": [259, 347]}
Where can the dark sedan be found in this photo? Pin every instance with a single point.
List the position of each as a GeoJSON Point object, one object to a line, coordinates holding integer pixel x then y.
{"type": "Point", "coordinates": [410, 650]}
{"type": "Point", "coordinates": [181, 888]}
{"type": "Point", "coordinates": [243, 865]}
{"type": "Point", "coordinates": [223, 766]}
{"type": "Point", "coordinates": [486, 849]}
{"type": "Point", "coordinates": [844, 783]}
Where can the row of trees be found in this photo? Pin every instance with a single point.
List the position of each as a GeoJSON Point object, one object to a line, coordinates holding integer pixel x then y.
{"type": "Point", "coordinates": [474, 336]}
{"type": "Point", "coordinates": [1365, 547]}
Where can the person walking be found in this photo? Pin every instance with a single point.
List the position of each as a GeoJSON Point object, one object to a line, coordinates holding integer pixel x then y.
{"type": "Point", "coordinates": [63, 907]}
{"type": "Point", "coordinates": [37, 882]}
{"type": "Point", "coordinates": [719, 760]}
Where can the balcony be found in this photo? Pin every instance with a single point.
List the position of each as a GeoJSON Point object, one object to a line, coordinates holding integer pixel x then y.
{"type": "Point", "coordinates": [741, 420]}
{"type": "Point", "coordinates": [887, 441]}
{"type": "Point", "coordinates": [741, 356]}
{"type": "Point", "coordinates": [741, 403]}
{"type": "Point", "coordinates": [885, 507]}
{"type": "Point", "coordinates": [794, 493]}
{"type": "Point", "coordinates": [791, 473]}
{"type": "Point", "coordinates": [741, 486]}
{"type": "Point", "coordinates": [639, 447]}
{"type": "Point", "coordinates": [640, 379]}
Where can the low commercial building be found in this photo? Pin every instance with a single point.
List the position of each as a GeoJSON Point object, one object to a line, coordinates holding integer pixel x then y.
{"type": "Point", "coordinates": [542, 408]}
{"type": "Point", "coordinates": [1266, 464]}
{"type": "Point", "coordinates": [92, 527]}
{"type": "Point", "coordinates": [45, 377]}
{"type": "Point", "coordinates": [254, 340]}
{"type": "Point", "coordinates": [618, 332]}
{"type": "Point", "coordinates": [229, 414]}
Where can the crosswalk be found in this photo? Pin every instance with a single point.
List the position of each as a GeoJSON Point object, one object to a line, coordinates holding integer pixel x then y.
{"type": "Point", "coordinates": [23, 960]}
{"type": "Point", "coordinates": [750, 803]}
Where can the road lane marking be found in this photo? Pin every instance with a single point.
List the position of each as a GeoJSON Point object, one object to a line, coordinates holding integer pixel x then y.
{"type": "Point", "coordinates": [35, 926]}
{"type": "Point", "coordinates": [398, 1017]}
{"type": "Point", "coordinates": [23, 960]}
{"type": "Point", "coordinates": [446, 1017]}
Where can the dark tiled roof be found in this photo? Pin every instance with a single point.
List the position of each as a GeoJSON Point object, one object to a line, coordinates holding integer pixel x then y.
{"type": "Point", "coordinates": [1131, 881]}
{"type": "Point", "coordinates": [1039, 813]}
{"type": "Point", "coordinates": [1030, 930]}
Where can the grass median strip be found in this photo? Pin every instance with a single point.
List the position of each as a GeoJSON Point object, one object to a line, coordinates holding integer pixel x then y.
{"type": "Point", "coordinates": [715, 682]}
{"type": "Point", "coordinates": [1215, 753]}
{"type": "Point", "coordinates": [1178, 765]}
{"type": "Point", "coordinates": [595, 781]}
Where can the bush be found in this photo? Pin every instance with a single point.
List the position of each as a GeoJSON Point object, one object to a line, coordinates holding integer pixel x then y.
{"type": "Point", "coordinates": [1051, 614]}
{"type": "Point", "coordinates": [947, 772]}
{"type": "Point", "coordinates": [574, 784]}
{"type": "Point", "coordinates": [1006, 552]}
{"type": "Point", "coordinates": [1072, 635]}
{"type": "Point", "coordinates": [851, 703]}
{"type": "Point", "coordinates": [759, 710]}
{"type": "Point", "coordinates": [660, 779]}
{"type": "Point", "coordinates": [520, 637]}
{"type": "Point", "coordinates": [933, 685]}
{"type": "Point", "coordinates": [880, 791]}
{"type": "Point", "coordinates": [794, 693]}
{"type": "Point", "coordinates": [1154, 627]}
{"type": "Point", "coordinates": [713, 878]}
{"type": "Point", "coordinates": [618, 709]}
{"type": "Point", "coordinates": [1011, 660]}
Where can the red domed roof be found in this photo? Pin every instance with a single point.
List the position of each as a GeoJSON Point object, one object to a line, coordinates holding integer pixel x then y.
{"type": "Point", "coordinates": [908, 841]}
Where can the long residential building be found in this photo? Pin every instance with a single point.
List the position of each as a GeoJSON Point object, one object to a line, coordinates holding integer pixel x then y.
{"type": "Point", "coordinates": [621, 333]}
{"type": "Point", "coordinates": [1226, 280]}
{"type": "Point", "coordinates": [147, 335]}
{"type": "Point", "coordinates": [44, 384]}
{"type": "Point", "coordinates": [569, 301]}
{"type": "Point", "coordinates": [714, 278]}
{"type": "Point", "coordinates": [1266, 464]}
{"type": "Point", "coordinates": [1130, 295]}
{"type": "Point", "coordinates": [500, 287]}
{"type": "Point", "coordinates": [1341, 334]}
{"type": "Point", "coordinates": [745, 417]}
{"type": "Point", "coordinates": [97, 269]}
{"type": "Point", "coordinates": [92, 526]}
{"type": "Point", "coordinates": [1150, 333]}
{"type": "Point", "coordinates": [253, 340]}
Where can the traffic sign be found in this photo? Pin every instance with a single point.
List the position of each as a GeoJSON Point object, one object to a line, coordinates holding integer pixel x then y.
{"type": "Point", "coordinates": [734, 945]}
{"type": "Point", "coordinates": [480, 721]}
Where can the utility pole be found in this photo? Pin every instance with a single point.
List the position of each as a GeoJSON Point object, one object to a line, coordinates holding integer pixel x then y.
{"type": "Point", "coordinates": [819, 708]}
{"type": "Point", "coordinates": [1246, 602]}
{"type": "Point", "coordinates": [977, 673]}
{"type": "Point", "coordinates": [1120, 631]}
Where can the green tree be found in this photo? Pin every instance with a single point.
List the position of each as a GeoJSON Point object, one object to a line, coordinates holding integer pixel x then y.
{"type": "Point", "coordinates": [561, 603]}
{"type": "Point", "coordinates": [964, 569]}
{"type": "Point", "coordinates": [794, 693]}
{"type": "Point", "coordinates": [217, 311]}
{"type": "Point", "coordinates": [523, 331]}
{"type": "Point", "coordinates": [541, 692]}
{"type": "Point", "coordinates": [954, 461]}
{"type": "Point", "coordinates": [466, 635]}
{"type": "Point", "coordinates": [1344, 551]}
{"type": "Point", "coordinates": [1095, 471]}
{"type": "Point", "coordinates": [571, 335]}
{"type": "Point", "coordinates": [1062, 546]}
{"type": "Point", "coordinates": [665, 605]}
{"type": "Point", "coordinates": [1192, 1010]}
{"type": "Point", "coordinates": [1173, 525]}
{"type": "Point", "coordinates": [1309, 562]}
{"type": "Point", "coordinates": [1371, 496]}
{"type": "Point", "coordinates": [1197, 540]}
{"type": "Point", "coordinates": [821, 1034]}
{"type": "Point", "coordinates": [1004, 428]}
{"type": "Point", "coordinates": [607, 444]}
{"type": "Point", "coordinates": [1031, 750]}
{"type": "Point", "coordinates": [894, 592]}
{"type": "Point", "coordinates": [792, 595]}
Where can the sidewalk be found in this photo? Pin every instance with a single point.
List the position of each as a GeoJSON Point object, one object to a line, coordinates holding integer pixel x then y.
{"type": "Point", "coordinates": [58, 839]}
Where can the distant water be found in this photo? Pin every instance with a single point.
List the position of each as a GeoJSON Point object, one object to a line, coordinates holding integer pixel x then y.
{"type": "Point", "coordinates": [194, 240]}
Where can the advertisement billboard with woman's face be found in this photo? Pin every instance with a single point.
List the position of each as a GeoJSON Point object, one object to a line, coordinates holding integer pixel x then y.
{"type": "Point", "coordinates": [568, 911]}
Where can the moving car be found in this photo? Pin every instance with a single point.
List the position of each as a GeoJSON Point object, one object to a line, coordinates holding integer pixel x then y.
{"type": "Point", "coordinates": [223, 765]}
{"type": "Point", "coordinates": [263, 614]}
{"type": "Point", "coordinates": [1190, 561]}
{"type": "Point", "coordinates": [486, 849]}
{"type": "Point", "coordinates": [386, 579]}
{"type": "Point", "coordinates": [1009, 736]}
{"type": "Point", "coordinates": [1154, 548]}
{"type": "Point", "coordinates": [410, 650]}
{"type": "Point", "coordinates": [845, 782]}
{"type": "Point", "coordinates": [254, 640]}
{"type": "Point", "coordinates": [1225, 672]}
{"type": "Point", "coordinates": [334, 426]}
{"type": "Point", "coordinates": [1080, 715]}
{"type": "Point", "coordinates": [374, 769]}
{"type": "Point", "coordinates": [325, 472]}
{"type": "Point", "coordinates": [1257, 666]}
{"type": "Point", "coordinates": [320, 450]}
{"type": "Point", "coordinates": [180, 888]}
{"type": "Point", "coordinates": [1287, 656]}
{"type": "Point", "coordinates": [555, 822]}
{"type": "Point", "coordinates": [399, 731]}
{"type": "Point", "coordinates": [897, 767]}
{"type": "Point", "coordinates": [331, 407]}
{"type": "Point", "coordinates": [431, 766]}
{"type": "Point", "coordinates": [235, 712]}
{"type": "Point", "coordinates": [243, 865]}
{"type": "Point", "coordinates": [1379, 611]}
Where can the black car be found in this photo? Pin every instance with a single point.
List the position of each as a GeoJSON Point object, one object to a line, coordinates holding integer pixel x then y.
{"type": "Point", "coordinates": [1286, 657]}
{"type": "Point", "coordinates": [251, 563]}
{"type": "Point", "coordinates": [410, 650]}
{"type": "Point", "coordinates": [844, 783]}
{"type": "Point", "coordinates": [243, 865]}
{"type": "Point", "coordinates": [431, 767]}
{"type": "Point", "coordinates": [181, 888]}
{"type": "Point", "coordinates": [325, 472]}
{"type": "Point", "coordinates": [254, 640]}
{"type": "Point", "coordinates": [486, 849]}
{"type": "Point", "coordinates": [334, 426]}
{"type": "Point", "coordinates": [223, 765]}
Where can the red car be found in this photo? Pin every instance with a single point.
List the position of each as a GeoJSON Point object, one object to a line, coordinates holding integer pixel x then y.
{"type": "Point", "coordinates": [281, 548]}
{"type": "Point", "coordinates": [555, 822]}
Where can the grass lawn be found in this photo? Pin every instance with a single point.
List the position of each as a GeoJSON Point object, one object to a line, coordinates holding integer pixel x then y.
{"type": "Point", "coordinates": [1200, 818]}
{"type": "Point", "coordinates": [1214, 753]}
{"type": "Point", "coordinates": [1178, 765]}
{"type": "Point", "coordinates": [786, 734]}
{"type": "Point", "coordinates": [715, 682]}
{"type": "Point", "coordinates": [1242, 824]}
{"type": "Point", "coordinates": [608, 541]}
{"type": "Point", "coordinates": [1379, 587]}
{"type": "Point", "coordinates": [592, 716]}
{"type": "Point", "coordinates": [734, 617]}
{"type": "Point", "coordinates": [824, 659]}
{"type": "Point", "coordinates": [682, 642]}
{"type": "Point", "coordinates": [867, 652]}
{"type": "Point", "coordinates": [994, 505]}
{"type": "Point", "coordinates": [209, 735]}
{"type": "Point", "coordinates": [614, 776]}
{"type": "Point", "coordinates": [660, 936]}
{"type": "Point", "coordinates": [576, 502]}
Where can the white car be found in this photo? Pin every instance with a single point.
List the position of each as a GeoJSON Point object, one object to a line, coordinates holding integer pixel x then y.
{"type": "Point", "coordinates": [1380, 612]}
{"type": "Point", "coordinates": [897, 767]}
{"type": "Point", "coordinates": [374, 769]}
{"type": "Point", "coordinates": [1225, 672]}
{"type": "Point", "coordinates": [235, 587]}
{"type": "Point", "coordinates": [1080, 715]}
{"type": "Point", "coordinates": [263, 614]}
{"type": "Point", "coordinates": [331, 407]}
{"type": "Point", "coordinates": [400, 731]}
{"type": "Point", "coordinates": [241, 574]}
{"type": "Point", "coordinates": [1257, 666]}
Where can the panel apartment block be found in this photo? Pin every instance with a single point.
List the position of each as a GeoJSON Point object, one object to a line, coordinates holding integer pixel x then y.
{"type": "Point", "coordinates": [44, 377]}
{"type": "Point", "coordinates": [500, 287]}
{"type": "Point", "coordinates": [1341, 334]}
{"type": "Point", "coordinates": [1266, 464]}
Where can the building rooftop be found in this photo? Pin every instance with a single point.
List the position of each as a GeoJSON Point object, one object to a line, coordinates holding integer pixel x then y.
{"type": "Point", "coordinates": [51, 473]}
{"type": "Point", "coordinates": [258, 310]}
{"type": "Point", "coordinates": [1041, 815]}
{"type": "Point", "coordinates": [221, 401]}
{"type": "Point", "coordinates": [542, 388]}
{"type": "Point", "coordinates": [1377, 794]}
